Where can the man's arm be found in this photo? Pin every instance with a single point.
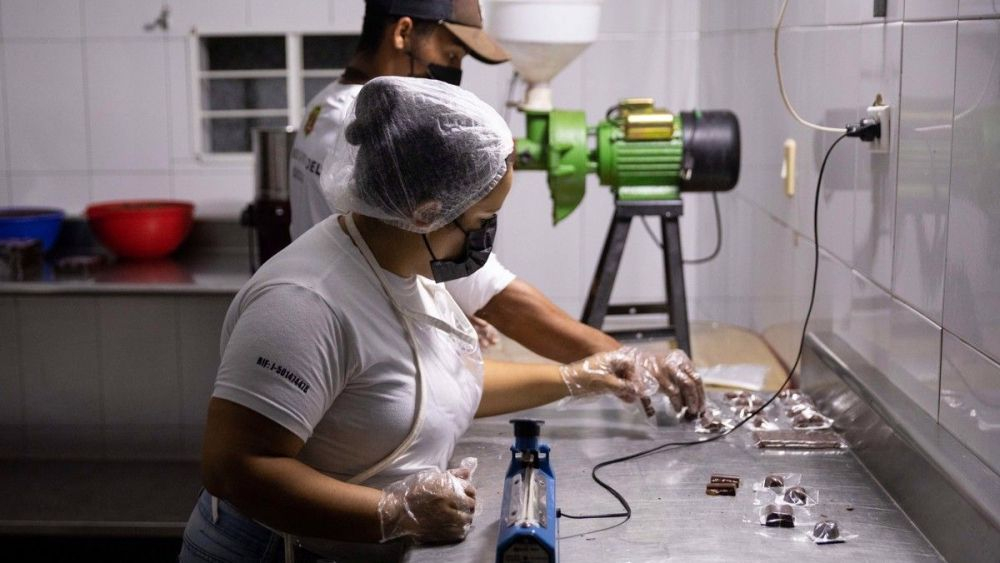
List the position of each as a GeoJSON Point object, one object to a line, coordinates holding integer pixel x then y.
{"type": "Point", "coordinates": [524, 314]}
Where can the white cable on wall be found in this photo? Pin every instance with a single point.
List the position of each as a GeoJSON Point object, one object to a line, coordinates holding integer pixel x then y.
{"type": "Point", "coordinates": [781, 83]}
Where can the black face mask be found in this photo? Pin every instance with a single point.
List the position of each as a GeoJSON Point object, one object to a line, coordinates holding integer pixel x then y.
{"type": "Point", "coordinates": [478, 246]}
{"type": "Point", "coordinates": [450, 75]}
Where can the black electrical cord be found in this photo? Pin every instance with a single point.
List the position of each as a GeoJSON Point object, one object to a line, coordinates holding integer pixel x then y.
{"type": "Point", "coordinates": [627, 514]}
{"type": "Point", "coordinates": [718, 234]}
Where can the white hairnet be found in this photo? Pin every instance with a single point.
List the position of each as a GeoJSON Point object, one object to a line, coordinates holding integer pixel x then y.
{"type": "Point", "coordinates": [416, 153]}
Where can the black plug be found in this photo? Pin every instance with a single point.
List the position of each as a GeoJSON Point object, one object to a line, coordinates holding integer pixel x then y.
{"type": "Point", "coordinates": [867, 130]}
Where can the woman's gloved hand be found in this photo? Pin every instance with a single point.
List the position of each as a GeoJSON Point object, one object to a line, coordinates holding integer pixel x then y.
{"type": "Point", "coordinates": [679, 382]}
{"type": "Point", "coordinates": [430, 506]}
{"type": "Point", "coordinates": [624, 372]}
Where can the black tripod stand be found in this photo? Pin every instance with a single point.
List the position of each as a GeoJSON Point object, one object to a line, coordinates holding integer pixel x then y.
{"type": "Point", "coordinates": [675, 306]}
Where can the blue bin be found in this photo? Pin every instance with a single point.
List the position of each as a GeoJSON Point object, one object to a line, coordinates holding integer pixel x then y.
{"type": "Point", "coordinates": [31, 222]}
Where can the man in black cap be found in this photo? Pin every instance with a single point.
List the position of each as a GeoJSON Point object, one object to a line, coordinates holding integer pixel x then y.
{"type": "Point", "coordinates": [430, 38]}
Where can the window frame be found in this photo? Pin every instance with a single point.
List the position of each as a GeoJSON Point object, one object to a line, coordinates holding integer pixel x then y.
{"type": "Point", "coordinates": [293, 73]}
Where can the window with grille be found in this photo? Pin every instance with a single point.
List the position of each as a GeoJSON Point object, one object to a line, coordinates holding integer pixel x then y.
{"type": "Point", "coordinates": [248, 81]}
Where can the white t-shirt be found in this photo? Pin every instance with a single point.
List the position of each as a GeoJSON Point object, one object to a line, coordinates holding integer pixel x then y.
{"type": "Point", "coordinates": [324, 121]}
{"type": "Point", "coordinates": [312, 343]}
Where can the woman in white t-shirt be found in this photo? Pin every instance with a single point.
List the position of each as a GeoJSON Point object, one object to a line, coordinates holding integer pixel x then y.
{"type": "Point", "coordinates": [347, 375]}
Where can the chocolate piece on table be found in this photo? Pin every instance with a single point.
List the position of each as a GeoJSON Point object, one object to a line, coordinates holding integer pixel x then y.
{"type": "Point", "coordinates": [797, 496]}
{"type": "Point", "coordinates": [719, 478]}
{"type": "Point", "coordinates": [778, 516]}
{"type": "Point", "coordinates": [720, 489]}
{"type": "Point", "coordinates": [774, 481]}
{"type": "Point", "coordinates": [826, 530]}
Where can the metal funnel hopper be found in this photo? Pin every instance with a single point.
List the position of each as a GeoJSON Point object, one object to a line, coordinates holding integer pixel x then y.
{"type": "Point", "coordinates": [542, 37]}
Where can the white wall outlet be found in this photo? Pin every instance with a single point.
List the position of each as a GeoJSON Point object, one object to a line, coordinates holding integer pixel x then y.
{"type": "Point", "coordinates": [880, 111]}
{"type": "Point", "coordinates": [788, 167]}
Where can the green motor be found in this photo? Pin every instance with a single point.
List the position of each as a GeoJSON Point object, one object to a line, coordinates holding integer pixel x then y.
{"type": "Point", "coordinates": [642, 152]}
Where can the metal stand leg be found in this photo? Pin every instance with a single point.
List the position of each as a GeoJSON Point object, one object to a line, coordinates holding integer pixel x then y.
{"type": "Point", "coordinates": [607, 270]}
{"type": "Point", "coordinates": [598, 301]}
{"type": "Point", "coordinates": [673, 266]}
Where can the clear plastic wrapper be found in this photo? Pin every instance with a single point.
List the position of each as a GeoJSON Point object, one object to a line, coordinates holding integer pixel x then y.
{"type": "Point", "coordinates": [811, 420]}
{"type": "Point", "coordinates": [762, 423]}
{"type": "Point", "coordinates": [430, 506]}
{"type": "Point", "coordinates": [742, 399]}
{"type": "Point", "coordinates": [776, 516]}
{"type": "Point", "coordinates": [790, 396]}
{"type": "Point", "coordinates": [792, 495]}
{"type": "Point", "coordinates": [797, 439]}
{"type": "Point", "coordinates": [797, 408]}
{"type": "Point", "coordinates": [827, 531]}
{"type": "Point", "coordinates": [709, 423]}
{"type": "Point", "coordinates": [776, 482]}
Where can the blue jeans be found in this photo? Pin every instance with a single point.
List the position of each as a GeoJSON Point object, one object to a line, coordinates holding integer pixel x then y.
{"type": "Point", "coordinates": [237, 538]}
{"type": "Point", "coordinates": [233, 537]}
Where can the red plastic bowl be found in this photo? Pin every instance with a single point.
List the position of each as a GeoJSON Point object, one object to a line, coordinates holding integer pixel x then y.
{"type": "Point", "coordinates": [141, 228]}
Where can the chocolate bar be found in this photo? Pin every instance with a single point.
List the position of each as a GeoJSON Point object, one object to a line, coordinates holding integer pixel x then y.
{"type": "Point", "coordinates": [720, 489]}
{"type": "Point", "coordinates": [719, 478]}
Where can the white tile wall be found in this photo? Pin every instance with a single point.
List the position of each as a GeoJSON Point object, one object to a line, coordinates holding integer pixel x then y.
{"type": "Point", "coordinates": [106, 187]}
{"type": "Point", "coordinates": [972, 291]}
{"type": "Point", "coordinates": [685, 16]}
{"type": "Point", "coordinates": [860, 11]}
{"type": "Point", "coordinates": [70, 192]}
{"type": "Point", "coordinates": [217, 16]}
{"type": "Point", "coordinates": [141, 393]}
{"type": "Point", "coordinates": [121, 18]}
{"type": "Point", "coordinates": [636, 16]}
{"type": "Point", "coordinates": [970, 399]}
{"type": "Point", "coordinates": [924, 165]}
{"type": "Point", "coordinates": [346, 15]}
{"type": "Point", "coordinates": [3, 118]}
{"type": "Point", "coordinates": [838, 76]}
{"type": "Point", "coordinates": [178, 93]}
{"type": "Point", "coordinates": [756, 14]}
{"type": "Point", "coordinates": [47, 133]}
{"type": "Point", "coordinates": [883, 276]}
{"type": "Point", "coordinates": [832, 311]}
{"type": "Point", "coordinates": [875, 179]}
{"type": "Point", "coordinates": [218, 194]}
{"type": "Point", "coordinates": [930, 9]}
{"type": "Point", "coordinates": [5, 196]}
{"type": "Point", "coordinates": [275, 15]}
{"type": "Point", "coordinates": [978, 8]}
{"type": "Point", "coordinates": [804, 13]}
{"type": "Point", "coordinates": [898, 341]}
{"type": "Point", "coordinates": [31, 19]}
{"type": "Point", "coordinates": [126, 102]}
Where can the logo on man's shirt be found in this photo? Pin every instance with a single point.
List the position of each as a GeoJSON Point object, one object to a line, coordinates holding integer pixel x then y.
{"type": "Point", "coordinates": [283, 372]}
{"type": "Point", "coordinates": [311, 120]}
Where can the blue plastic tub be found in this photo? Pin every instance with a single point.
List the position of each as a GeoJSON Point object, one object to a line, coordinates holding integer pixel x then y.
{"type": "Point", "coordinates": [31, 222]}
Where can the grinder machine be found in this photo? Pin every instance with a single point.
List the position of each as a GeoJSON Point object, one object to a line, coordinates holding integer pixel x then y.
{"type": "Point", "coordinates": [646, 154]}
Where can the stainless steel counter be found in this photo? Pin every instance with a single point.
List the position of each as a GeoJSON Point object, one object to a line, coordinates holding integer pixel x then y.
{"type": "Point", "coordinates": [204, 273]}
{"type": "Point", "coordinates": [672, 518]}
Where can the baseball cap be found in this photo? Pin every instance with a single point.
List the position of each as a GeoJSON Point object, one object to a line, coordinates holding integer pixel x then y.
{"type": "Point", "coordinates": [463, 18]}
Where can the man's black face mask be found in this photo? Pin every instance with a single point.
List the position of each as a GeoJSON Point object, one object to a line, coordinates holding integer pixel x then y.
{"type": "Point", "coordinates": [448, 74]}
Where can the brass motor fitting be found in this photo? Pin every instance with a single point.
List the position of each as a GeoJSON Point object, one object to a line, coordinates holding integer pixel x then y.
{"type": "Point", "coordinates": [644, 122]}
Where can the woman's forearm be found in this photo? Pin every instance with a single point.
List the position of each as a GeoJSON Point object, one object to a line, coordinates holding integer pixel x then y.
{"type": "Point", "coordinates": [250, 461]}
{"type": "Point", "coordinates": [287, 495]}
{"type": "Point", "coordinates": [509, 387]}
